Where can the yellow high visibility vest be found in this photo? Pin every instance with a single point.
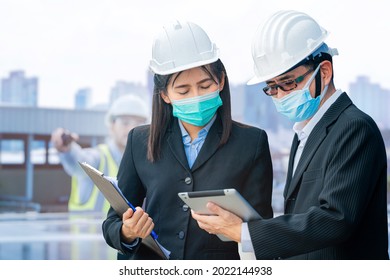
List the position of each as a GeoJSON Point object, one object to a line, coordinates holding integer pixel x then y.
{"type": "Point", "coordinates": [75, 203]}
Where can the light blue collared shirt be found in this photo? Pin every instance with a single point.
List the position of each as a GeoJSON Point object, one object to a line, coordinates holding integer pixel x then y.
{"type": "Point", "coordinates": [192, 149]}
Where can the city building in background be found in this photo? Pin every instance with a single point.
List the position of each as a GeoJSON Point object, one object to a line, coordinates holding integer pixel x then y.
{"type": "Point", "coordinates": [260, 110]}
{"type": "Point", "coordinates": [18, 89]}
{"type": "Point", "coordinates": [83, 99]}
{"type": "Point", "coordinates": [372, 99]}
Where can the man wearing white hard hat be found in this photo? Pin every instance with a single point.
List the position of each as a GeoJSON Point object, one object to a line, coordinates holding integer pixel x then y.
{"type": "Point", "coordinates": [335, 193]}
{"type": "Point", "coordinates": [125, 113]}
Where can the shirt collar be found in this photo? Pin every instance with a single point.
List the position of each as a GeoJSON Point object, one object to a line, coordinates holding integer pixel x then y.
{"type": "Point", "coordinates": [302, 129]}
{"type": "Point", "coordinates": [202, 133]}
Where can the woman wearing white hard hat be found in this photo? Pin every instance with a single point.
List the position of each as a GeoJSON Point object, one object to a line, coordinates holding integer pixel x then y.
{"type": "Point", "coordinates": [335, 194]}
{"type": "Point", "coordinates": [192, 144]}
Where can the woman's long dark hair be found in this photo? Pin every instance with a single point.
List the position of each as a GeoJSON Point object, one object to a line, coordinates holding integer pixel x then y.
{"type": "Point", "coordinates": [162, 112]}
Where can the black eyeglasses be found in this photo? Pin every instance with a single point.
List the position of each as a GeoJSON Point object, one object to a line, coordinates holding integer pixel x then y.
{"type": "Point", "coordinates": [271, 90]}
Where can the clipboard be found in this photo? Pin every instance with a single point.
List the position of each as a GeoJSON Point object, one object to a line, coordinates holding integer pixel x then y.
{"type": "Point", "coordinates": [228, 199]}
{"type": "Point", "coordinates": [109, 188]}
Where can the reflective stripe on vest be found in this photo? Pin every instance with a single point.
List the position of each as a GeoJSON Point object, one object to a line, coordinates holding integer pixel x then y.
{"type": "Point", "coordinates": [74, 203]}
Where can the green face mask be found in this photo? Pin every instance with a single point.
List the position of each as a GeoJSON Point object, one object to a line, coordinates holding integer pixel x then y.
{"type": "Point", "coordinates": [198, 110]}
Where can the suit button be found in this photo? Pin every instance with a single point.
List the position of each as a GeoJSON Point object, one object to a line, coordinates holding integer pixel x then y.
{"type": "Point", "coordinates": [185, 207]}
{"type": "Point", "coordinates": [181, 234]}
{"type": "Point", "coordinates": [188, 180]}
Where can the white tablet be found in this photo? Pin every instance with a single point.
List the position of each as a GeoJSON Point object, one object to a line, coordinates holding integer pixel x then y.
{"type": "Point", "coordinates": [229, 199]}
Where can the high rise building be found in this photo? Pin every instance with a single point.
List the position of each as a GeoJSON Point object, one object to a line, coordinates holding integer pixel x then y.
{"type": "Point", "coordinates": [83, 99]}
{"type": "Point", "coordinates": [17, 89]}
{"type": "Point", "coordinates": [260, 111]}
{"type": "Point", "coordinates": [372, 99]}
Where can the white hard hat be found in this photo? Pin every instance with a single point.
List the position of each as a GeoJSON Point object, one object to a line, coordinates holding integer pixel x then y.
{"type": "Point", "coordinates": [180, 46]}
{"type": "Point", "coordinates": [284, 40]}
{"type": "Point", "coordinates": [128, 104]}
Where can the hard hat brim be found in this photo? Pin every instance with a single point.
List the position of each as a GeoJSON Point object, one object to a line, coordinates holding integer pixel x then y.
{"type": "Point", "coordinates": [253, 81]}
{"type": "Point", "coordinates": [184, 67]}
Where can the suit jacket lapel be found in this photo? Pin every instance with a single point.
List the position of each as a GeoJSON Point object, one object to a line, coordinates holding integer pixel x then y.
{"type": "Point", "coordinates": [315, 139]}
{"type": "Point", "coordinates": [175, 143]}
{"type": "Point", "coordinates": [293, 151]}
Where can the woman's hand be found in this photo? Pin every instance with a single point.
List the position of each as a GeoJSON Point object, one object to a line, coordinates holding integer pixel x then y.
{"type": "Point", "coordinates": [222, 222]}
{"type": "Point", "coordinates": [136, 224]}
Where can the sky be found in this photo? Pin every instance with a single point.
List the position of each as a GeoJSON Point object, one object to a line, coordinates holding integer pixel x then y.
{"type": "Point", "coordinates": [73, 44]}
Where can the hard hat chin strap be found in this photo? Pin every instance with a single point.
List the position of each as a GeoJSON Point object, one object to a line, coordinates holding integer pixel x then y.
{"type": "Point", "coordinates": [317, 60]}
{"type": "Point", "coordinates": [318, 84]}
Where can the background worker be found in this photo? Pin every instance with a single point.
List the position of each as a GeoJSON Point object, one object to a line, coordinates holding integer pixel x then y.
{"type": "Point", "coordinates": [335, 194]}
{"type": "Point", "coordinates": [125, 113]}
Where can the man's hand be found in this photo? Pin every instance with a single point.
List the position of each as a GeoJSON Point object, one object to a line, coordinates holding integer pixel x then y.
{"type": "Point", "coordinates": [223, 222]}
{"type": "Point", "coordinates": [62, 139]}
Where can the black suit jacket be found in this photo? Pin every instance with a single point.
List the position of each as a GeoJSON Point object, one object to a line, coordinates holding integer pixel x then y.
{"type": "Point", "coordinates": [335, 204]}
{"type": "Point", "coordinates": [244, 163]}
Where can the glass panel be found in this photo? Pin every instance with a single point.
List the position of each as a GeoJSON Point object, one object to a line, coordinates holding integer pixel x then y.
{"type": "Point", "coordinates": [53, 154]}
{"type": "Point", "coordinates": [12, 151]}
{"type": "Point", "coordinates": [38, 152]}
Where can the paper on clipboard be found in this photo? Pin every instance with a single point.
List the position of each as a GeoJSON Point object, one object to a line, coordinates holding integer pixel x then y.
{"type": "Point", "coordinates": [108, 186]}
